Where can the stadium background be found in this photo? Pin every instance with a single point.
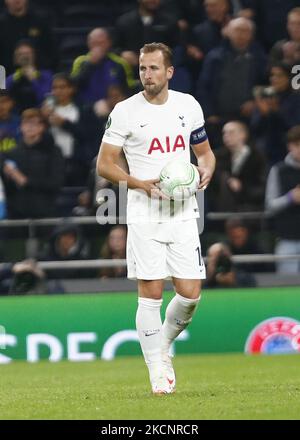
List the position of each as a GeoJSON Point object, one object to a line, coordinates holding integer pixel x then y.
{"type": "Point", "coordinates": [74, 314]}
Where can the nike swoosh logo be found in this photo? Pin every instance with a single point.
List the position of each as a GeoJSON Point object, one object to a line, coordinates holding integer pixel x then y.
{"type": "Point", "coordinates": [143, 125]}
{"type": "Point", "coordinates": [150, 334]}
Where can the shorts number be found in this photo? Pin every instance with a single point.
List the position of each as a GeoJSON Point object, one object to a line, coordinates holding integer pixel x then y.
{"type": "Point", "coordinates": [199, 256]}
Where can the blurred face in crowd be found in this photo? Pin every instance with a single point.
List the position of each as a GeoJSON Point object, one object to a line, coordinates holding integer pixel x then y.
{"type": "Point", "coordinates": [279, 79]}
{"type": "Point", "coordinates": [238, 236]}
{"type": "Point", "coordinates": [154, 73]}
{"type": "Point", "coordinates": [234, 135]}
{"type": "Point", "coordinates": [99, 38]}
{"type": "Point", "coordinates": [16, 7]}
{"type": "Point", "coordinates": [293, 26]}
{"type": "Point", "coordinates": [32, 130]}
{"type": "Point", "coordinates": [24, 56]}
{"type": "Point", "coordinates": [294, 149]}
{"type": "Point", "coordinates": [63, 91]}
{"type": "Point", "coordinates": [149, 5]}
{"type": "Point", "coordinates": [65, 242]}
{"type": "Point", "coordinates": [6, 106]}
{"type": "Point", "coordinates": [216, 10]}
{"type": "Point", "coordinates": [240, 33]}
{"type": "Point", "coordinates": [117, 240]}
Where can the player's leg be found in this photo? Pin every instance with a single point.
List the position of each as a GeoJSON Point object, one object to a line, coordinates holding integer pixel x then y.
{"type": "Point", "coordinates": [149, 327]}
{"type": "Point", "coordinates": [146, 262]}
{"type": "Point", "coordinates": [180, 310]}
{"type": "Point", "coordinates": [187, 267]}
{"type": "Point", "coordinates": [148, 320]}
{"type": "Point", "coordinates": [179, 314]}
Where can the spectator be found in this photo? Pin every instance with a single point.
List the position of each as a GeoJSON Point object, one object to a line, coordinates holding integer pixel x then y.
{"type": "Point", "coordinates": [241, 242]}
{"type": "Point", "coordinates": [277, 110]}
{"type": "Point", "coordinates": [67, 244]}
{"type": "Point", "coordinates": [89, 200]}
{"type": "Point", "coordinates": [9, 123]}
{"type": "Point", "coordinates": [19, 22]}
{"type": "Point", "coordinates": [238, 184]}
{"type": "Point", "coordinates": [93, 119]}
{"type": "Point", "coordinates": [283, 202]}
{"type": "Point", "coordinates": [33, 172]}
{"type": "Point", "coordinates": [100, 68]}
{"type": "Point", "coordinates": [208, 34]}
{"type": "Point", "coordinates": [145, 24]}
{"type": "Point", "coordinates": [28, 85]}
{"type": "Point", "coordinates": [26, 277]}
{"type": "Point", "coordinates": [221, 271]}
{"type": "Point", "coordinates": [63, 115]}
{"type": "Point", "coordinates": [269, 16]}
{"type": "Point", "coordinates": [114, 248]}
{"type": "Point", "coordinates": [229, 74]}
{"type": "Point", "coordinates": [187, 12]}
{"type": "Point", "coordinates": [288, 50]}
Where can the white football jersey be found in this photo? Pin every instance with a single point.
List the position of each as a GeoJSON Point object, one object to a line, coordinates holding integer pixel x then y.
{"type": "Point", "coordinates": [151, 136]}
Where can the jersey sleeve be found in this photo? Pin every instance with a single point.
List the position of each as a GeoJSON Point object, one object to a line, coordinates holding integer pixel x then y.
{"type": "Point", "coordinates": [116, 130]}
{"type": "Point", "coordinates": [198, 133]}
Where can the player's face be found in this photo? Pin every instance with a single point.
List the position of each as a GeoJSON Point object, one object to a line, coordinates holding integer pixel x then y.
{"type": "Point", "coordinates": [154, 74]}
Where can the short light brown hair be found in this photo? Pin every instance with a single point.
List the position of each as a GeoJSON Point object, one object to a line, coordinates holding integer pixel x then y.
{"type": "Point", "coordinates": [293, 135]}
{"type": "Point", "coordinates": [31, 113]}
{"type": "Point", "coordinates": [163, 48]}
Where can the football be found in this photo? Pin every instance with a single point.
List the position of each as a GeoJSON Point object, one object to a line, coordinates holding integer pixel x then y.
{"type": "Point", "coordinates": [179, 180]}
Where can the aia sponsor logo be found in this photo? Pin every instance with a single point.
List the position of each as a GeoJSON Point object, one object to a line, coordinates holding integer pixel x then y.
{"type": "Point", "coordinates": [274, 336]}
{"type": "Point", "coordinates": [167, 145]}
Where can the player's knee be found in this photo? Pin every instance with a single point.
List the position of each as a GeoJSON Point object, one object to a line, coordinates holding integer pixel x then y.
{"type": "Point", "coordinates": [150, 289]}
{"type": "Point", "coordinates": [191, 290]}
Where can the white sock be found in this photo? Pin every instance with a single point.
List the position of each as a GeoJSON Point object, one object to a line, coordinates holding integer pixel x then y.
{"type": "Point", "coordinates": [179, 314]}
{"type": "Point", "coordinates": [148, 324]}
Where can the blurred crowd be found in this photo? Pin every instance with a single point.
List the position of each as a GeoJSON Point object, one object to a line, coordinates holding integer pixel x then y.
{"type": "Point", "coordinates": [69, 63]}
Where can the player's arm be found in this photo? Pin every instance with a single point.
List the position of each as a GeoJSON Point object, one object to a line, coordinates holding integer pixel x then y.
{"type": "Point", "coordinates": [108, 167]}
{"type": "Point", "coordinates": [206, 162]}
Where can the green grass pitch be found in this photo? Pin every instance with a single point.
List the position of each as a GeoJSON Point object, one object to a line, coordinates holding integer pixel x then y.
{"type": "Point", "coordinates": [209, 387]}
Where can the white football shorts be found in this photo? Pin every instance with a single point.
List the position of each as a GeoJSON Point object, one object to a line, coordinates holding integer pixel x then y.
{"type": "Point", "coordinates": [162, 250]}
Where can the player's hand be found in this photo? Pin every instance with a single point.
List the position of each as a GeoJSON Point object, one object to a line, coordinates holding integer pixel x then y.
{"type": "Point", "coordinates": [205, 177]}
{"type": "Point", "coordinates": [151, 187]}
